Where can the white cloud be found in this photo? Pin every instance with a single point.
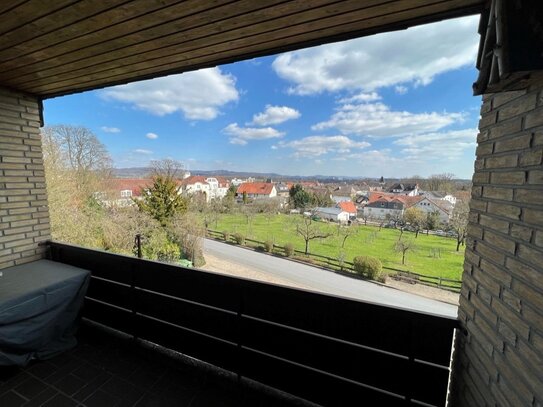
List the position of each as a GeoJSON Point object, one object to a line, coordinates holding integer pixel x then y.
{"type": "Point", "coordinates": [449, 145]}
{"type": "Point", "coordinates": [198, 95]}
{"type": "Point", "coordinates": [151, 136]}
{"type": "Point", "coordinates": [143, 151]}
{"type": "Point", "coordinates": [275, 115]}
{"type": "Point", "coordinates": [241, 135]}
{"type": "Point", "coordinates": [400, 90]}
{"type": "Point", "coordinates": [110, 129]}
{"type": "Point", "coordinates": [361, 97]}
{"type": "Point", "coordinates": [315, 146]}
{"type": "Point", "coordinates": [414, 56]}
{"type": "Point", "coordinates": [376, 119]}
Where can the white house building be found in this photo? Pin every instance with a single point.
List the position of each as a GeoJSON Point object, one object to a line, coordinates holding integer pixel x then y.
{"type": "Point", "coordinates": [333, 214]}
{"type": "Point", "coordinates": [211, 187]}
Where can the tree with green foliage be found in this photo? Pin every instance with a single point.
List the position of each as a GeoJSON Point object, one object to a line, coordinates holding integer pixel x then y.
{"type": "Point", "coordinates": [299, 198]}
{"type": "Point", "coordinates": [162, 199]}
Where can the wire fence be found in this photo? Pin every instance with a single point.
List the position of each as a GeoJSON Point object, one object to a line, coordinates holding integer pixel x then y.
{"type": "Point", "coordinates": [336, 264]}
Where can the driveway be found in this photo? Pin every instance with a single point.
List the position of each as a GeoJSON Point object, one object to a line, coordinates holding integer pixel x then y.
{"type": "Point", "coordinates": [316, 279]}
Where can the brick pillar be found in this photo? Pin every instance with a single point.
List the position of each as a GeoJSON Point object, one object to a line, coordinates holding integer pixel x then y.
{"type": "Point", "coordinates": [24, 215]}
{"type": "Point", "coordinates": [499, 361]}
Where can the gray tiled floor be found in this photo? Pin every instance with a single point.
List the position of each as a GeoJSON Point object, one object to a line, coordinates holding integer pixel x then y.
{"type": "Point", "coordinates": [104, 371]}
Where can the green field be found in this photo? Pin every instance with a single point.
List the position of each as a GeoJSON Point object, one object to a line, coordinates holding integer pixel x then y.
{"type": "Point", "coordinates": [434, 256]}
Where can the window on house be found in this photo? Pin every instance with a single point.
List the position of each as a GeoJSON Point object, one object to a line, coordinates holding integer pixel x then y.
{"type": "Point", "coordinates": [126, 193]}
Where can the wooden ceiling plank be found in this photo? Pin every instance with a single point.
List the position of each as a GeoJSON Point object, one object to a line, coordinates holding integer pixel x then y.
{"type": "Point", "coordinates": [27, 12]}
{"type": "Point", "coordinates": [153, 25]}
{"type": "Point", "coordinates": [316, 37]}
{"type": "Point", "coordinates": [139, 51]}
{"type": "Point", "coordinates": [57, 39]}
{"type": "Point", "coordinates": [7, 5]}
{"type": "Point", "coordinates": [82, 12]}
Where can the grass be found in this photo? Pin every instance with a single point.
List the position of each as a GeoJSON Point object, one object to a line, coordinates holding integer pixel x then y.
{"type": "Point", "coordinates": [434, 256]}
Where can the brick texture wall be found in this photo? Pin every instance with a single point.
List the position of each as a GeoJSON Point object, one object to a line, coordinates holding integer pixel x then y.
{"type": "Point", "coordinates": [500, 358]}
{"type": "Point", "coordinates": [24, 215]}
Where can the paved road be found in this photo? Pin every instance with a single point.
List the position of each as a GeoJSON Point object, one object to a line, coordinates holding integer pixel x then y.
{"type": "Point", "coordinates": [325, 281]}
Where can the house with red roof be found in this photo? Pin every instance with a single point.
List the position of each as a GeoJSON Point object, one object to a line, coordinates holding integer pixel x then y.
{"type": "Point", "coordinates": [348, 206]}
{"type": "Point", "coordinates": [122, 191]}
{"type": "Point", "coordinates": [257, 190]}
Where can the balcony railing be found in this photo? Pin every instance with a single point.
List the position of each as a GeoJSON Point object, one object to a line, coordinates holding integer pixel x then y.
{"type": "Point", "coordinates": [326, 349]}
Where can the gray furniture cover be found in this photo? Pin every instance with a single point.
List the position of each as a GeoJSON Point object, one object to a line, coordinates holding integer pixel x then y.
{"type": "Point", "coordinates": [39, 308]}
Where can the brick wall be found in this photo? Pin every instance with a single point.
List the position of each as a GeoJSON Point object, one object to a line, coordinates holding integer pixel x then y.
{"type": "Point", "coordinates": [500, 359]}
{"type": "Point", "coordinates": [24, 215]}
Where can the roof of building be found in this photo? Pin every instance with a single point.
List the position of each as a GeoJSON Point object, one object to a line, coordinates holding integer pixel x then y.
{"type": "Point", "coordinates": [193, 179]}
{"type": "Point", "coordinates": [256, 188]}
{"type": "Point", "coordinates": [136, 185]}
{"type": "Point", "coordinates": [407, 201]}
{"type": "Point", "coordinates": [329, 211]}
{"type": "Point", "coordinates": [404, 187]}
{"type": "Point", "coordinates": [347, 206]}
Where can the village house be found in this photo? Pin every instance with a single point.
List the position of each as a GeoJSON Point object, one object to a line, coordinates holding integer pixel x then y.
{"type": "Point", "coordinates": [256, 190]}
{"type": "Point", "coordinates": [122, 191]}
{"type": "Point", "coordinates": [442, 208]}
{"type": "Point", "coordinates": [404, 189]}
{"type": "Point", "coordinates": [349, 207]}
{"type": "Point", "coordinates": [343, 193]}
{"type": "Point", "coordinates": [332, 214]}
{"type": "Point", "coordinates": [283, 188]}
{"type": "Point", "coordinates": [210, 187]}
{"type": "Point", "coordinates": [392, 206]}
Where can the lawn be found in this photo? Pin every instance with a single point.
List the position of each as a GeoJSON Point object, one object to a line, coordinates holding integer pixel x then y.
{"type": "Point", "coordinates": [434, 255]}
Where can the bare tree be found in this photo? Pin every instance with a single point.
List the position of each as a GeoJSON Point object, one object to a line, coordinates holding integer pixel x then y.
{"type": "Point", "coordinates": [345, 232]}
{"type": "Point", "coordinates": [459, 222]}
{"type": "Point", "coordinates": [416, 218]}
{"type": "Point", "coordinates": [440, 182]}
{"type": "Point", "coordinates": [188, 231]}
{"type": "Point", "coordinates": [403, 247]}
{"type": "Point", "coordinates": [167, 168]}
{"type": "Point", "coordinates": [309, 230]}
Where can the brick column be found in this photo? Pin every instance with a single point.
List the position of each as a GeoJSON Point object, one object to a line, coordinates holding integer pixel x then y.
{"type": "Point", "coordinates": [24, 215]}
{"type": "Point", "coordinates": [499, 361]}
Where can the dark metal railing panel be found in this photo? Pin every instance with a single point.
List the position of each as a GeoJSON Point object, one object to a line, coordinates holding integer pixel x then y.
{"type": "Point", "coordinates": [110, 292]}
{"type": "Point", "coordinates": [102, 264]}
{"type": "Point", "coordinates": [213, 350]}
{"type": "Point", "coordinates": [309, 344]}
{"type": "Point", "coordinates": [210, 321]}
{"type": "Point", "coordinates": [207, 288]}
{"type": "Point", "coordinates": [325, 389]}
{"type": "Point", "coordinates": [323, 353]}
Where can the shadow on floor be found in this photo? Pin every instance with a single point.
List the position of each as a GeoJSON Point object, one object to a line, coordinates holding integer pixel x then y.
{"type": "Point", "coordinates": [107, 371]}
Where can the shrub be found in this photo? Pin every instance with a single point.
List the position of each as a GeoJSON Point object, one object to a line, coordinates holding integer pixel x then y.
{"type": "Point", "coordinates": [268, 246]}
{"type": "Point", "coordinates": [239, 238]}
{"type": "Point", "coordinates": [289, 249]}
{"type": "Point", "coordinates": [226, 236]}
{"type": "Point", "coordinates": [368, 266]}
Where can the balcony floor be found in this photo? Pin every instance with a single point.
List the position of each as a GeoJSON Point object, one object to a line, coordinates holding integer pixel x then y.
{"type": "Point", "coordinates": [105, 371]}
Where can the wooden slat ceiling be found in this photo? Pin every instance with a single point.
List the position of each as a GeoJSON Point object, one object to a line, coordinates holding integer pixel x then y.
{"type": "Point", "coordinates": [57, 47]}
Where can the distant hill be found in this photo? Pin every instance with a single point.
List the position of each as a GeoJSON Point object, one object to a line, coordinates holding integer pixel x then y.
{"type": "Point", "coordinates": [142, 172]}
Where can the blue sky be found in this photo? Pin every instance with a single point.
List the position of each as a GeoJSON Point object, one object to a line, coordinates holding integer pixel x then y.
{"type": "Point", "coordinates": [395, 104]}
